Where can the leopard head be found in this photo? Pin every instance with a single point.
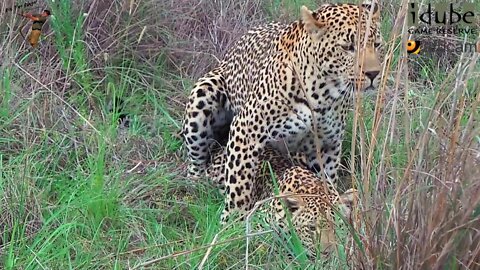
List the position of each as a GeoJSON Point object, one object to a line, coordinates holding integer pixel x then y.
{"type": "Point", "coordinates": [342, 42]}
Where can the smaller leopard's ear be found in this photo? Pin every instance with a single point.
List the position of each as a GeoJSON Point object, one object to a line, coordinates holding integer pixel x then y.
{"type": "Point", "coordinates": [314, 27]}
{"type": "Point", "coordinates": [376, 10]}
{"type": "Point", "coordinates": [347, 201]}
{"type": "Point", "coordinates": [293, 202]}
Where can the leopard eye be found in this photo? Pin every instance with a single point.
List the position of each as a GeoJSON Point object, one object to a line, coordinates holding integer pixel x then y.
{"type": "Point", "coordinates": [348, 47]}
{"type": "Point", "coordinates": [376, 45]}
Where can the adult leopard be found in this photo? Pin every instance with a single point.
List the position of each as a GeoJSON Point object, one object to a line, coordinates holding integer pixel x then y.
{"type": "Point", "coordinates": [288, 86]}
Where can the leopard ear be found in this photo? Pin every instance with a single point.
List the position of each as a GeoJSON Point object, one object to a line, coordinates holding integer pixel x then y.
{"type": "Point", "coordinates": [292, 202]}
{"type": "Point", "coordinates": [376, 10]}
{"type": "Point", "coordinates": [347, 201]}
{"type": "Point", "coordinates": [315, 28]}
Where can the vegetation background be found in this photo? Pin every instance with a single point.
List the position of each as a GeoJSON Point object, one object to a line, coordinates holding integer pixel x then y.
{"type": "Point", "coordinates": [92, 174]}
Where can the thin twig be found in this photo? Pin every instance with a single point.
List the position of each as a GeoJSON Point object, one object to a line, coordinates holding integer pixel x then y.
{"type": "Point", "coordinates": [209, 250]}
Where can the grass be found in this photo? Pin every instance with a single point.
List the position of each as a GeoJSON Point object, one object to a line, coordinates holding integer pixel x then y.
{"type": "Point", "coordinates": [79, 190]}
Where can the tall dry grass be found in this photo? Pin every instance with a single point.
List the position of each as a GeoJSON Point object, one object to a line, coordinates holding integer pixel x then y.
{"type": "Point", "coordinates": [423, 214]}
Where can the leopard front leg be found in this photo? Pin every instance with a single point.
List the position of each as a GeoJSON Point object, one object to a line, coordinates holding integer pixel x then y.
{"type": "Point", "coordinates": [243, 150]}
{"type": "Point", "coordinates": [207, 111]}
{"type": "Point", "coordinates": [330, 145]}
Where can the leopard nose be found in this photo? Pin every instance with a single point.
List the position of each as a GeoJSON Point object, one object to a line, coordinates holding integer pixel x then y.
{"type": "Point", "coordinates": [371, 74]}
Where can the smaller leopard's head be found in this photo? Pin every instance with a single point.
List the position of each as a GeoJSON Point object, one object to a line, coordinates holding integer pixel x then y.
{"type": "Point", "coordinates": [313, 205]}
{"type": "Point", "coordinates": [343, 43]}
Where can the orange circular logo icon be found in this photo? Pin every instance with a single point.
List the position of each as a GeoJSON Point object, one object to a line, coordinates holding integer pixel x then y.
{"type": "Point", "coordinates": [413, 46]}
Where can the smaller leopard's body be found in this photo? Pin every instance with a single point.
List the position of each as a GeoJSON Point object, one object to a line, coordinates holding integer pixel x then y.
{"type": "Point", "coordinates": [311, 201]}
